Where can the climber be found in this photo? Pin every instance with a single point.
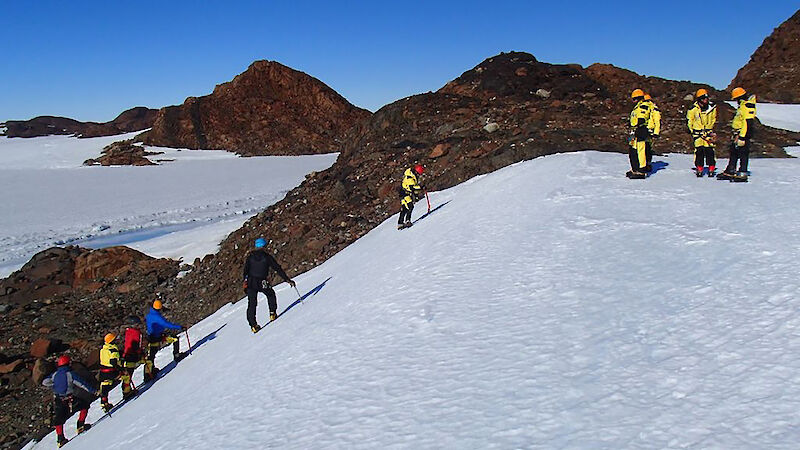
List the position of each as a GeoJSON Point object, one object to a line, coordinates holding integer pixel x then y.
{"type": "Point", "coordinates": [410, 192]}
{"type": "Point", "coordinates": [742, 137]}
{"type": "Point", "coordinates": [701, 119]}
{"type": "Point", "coordinates": [157, 337]}
{"type": "Point", "coordinates": [639, 134]}
{"type": "Point", "coordinates": [63, 383]}
{"type": "Point", "coordinates": [256, 279]}
{"type": "Point", "coordinates": [110, 364]}
{"type": "Point", "coordinates": [132, 355]}
{"type": "Point", "coordinates": [654, 128]}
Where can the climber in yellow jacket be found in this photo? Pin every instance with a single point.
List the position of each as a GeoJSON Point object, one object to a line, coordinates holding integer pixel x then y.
{"type": "Point", "coordinates": [411, 191]}
{"type": "Point", "coordinates": [701, 119]}
{"type": "Point", "coordinates": [640, 133]}
{"type": "Point", "coordinates": [109, 369]}
{"type": "Point", "coordinates": [742, 137]}
{"type": "Point", "coordinates": [654, 128]}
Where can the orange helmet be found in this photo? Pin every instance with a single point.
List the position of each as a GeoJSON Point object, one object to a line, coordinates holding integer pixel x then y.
{"type": "Point", "coordinates": [737, 92]}
{"type": "Point", "coordinates": [63, 361]}
{"type": "Point", "coordinates": [647, 97]}
{"type": "Point", "coordinates": [109, 338]}
{"type": "Point", "coordinates": [157, 304]}
{"type": "Point", "coordinates": [637, 93]}
{"type": "Point", "coordinates": [701, 93]}
{"type": "Point", "coordinates": [419, 169]}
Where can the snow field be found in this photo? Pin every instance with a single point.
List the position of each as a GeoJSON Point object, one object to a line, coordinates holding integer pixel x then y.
{"type": "Point", "coordinates": [54, 200]}
{"type": "Point", "coordinates": [551, 304]}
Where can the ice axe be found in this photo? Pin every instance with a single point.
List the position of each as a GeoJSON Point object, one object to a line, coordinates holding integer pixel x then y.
{"type": "Point", "coordinates": [429, 201]}
{"type": "Point", "coordinates": [186, 331]}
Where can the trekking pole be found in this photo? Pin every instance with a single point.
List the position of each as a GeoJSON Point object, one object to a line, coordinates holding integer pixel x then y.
{"type": "Point", "coordinates": [186, 331]}
{"type": "Point", "coordinates": [429, 201]}
{"type": "Point", "coordinates": [299, 297]}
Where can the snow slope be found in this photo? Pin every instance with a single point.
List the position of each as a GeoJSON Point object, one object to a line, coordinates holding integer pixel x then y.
{"type": "Point", "coordinates": [48, 198]}
{"type": "Point", "coordinates": [551, 304]}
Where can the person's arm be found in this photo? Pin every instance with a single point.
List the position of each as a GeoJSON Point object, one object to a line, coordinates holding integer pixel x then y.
{"type": "Point", "coordinates": [48, 381]}
{"type": "Point", "coordinates": [246, 267]}
{"type": "Point", "coordinates": [277, 267]}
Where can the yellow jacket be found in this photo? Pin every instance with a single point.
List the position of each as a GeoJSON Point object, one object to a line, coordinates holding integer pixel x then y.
{"type": "Point", "coordinates": [654, 122]}
{"type": "Point", "coordinates": [640, 115]}
{"type": "Point", "coordinates": [701, 123]}
{"type": "Point", "coordinates": [410, 182]}
{"type": "Point", "coordinates": [744, 118]}
{"type": "Point", "coordinates": [109, 356]}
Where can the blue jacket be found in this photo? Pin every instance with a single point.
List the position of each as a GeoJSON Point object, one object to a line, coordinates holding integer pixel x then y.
{"type": "Point", "coordinates": [63, 381]}
{"type": "Point", "coordinates": [156, 323]}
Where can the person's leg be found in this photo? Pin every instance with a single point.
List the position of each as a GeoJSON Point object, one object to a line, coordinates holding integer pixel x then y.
{"type": "Point", "coordinates": [699, 158]}
{"type": "Point", "coordinates": [252, 302]}
{"type": "Point", "coordinates": [711, 159]}
{"type": "Point", "coordinates": [272, 300]}
{"type": "Point", "coordinates": [732, 158]}
{"type": "Point", "coordinates": [744, 157]}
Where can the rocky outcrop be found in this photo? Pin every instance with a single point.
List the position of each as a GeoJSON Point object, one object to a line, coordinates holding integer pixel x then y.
{"type": "Point", "coordinates": [269, 109]}
{"type": "Point", "coordinates": [123, 153]}
{"type": "Point", "coordinates": [508, 108]}
{"type": "Point", "coordinates": [135, 119]}
{"type": "Point", "coordinates": [773, 72]}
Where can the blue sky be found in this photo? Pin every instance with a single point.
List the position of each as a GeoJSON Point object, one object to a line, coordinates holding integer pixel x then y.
{"type": "Point", "coordinates": [92, 60]}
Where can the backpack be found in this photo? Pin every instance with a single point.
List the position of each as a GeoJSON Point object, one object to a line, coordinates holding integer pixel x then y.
{"type": "Point", "coordinates": [132, 350]}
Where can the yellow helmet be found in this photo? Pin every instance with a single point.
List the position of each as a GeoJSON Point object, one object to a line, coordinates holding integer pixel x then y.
{"type": "Point", "coordinates": [647, 97]}
{"type": "Point", "coordinates": [110, 338]}
{"type": "Point", "coordinates": [737, 92]}
{"type": "Point", "coordinates": [637, 93]}
{"type": "Point", "coordinates": [701, 93]}
{"type": "Point", "coordinates": [157, 304]}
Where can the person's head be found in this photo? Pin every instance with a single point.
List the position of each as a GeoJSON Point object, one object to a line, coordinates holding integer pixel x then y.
{"type": "Point", "coordinates": [637, 95]}
{"type": "Point", "coordinates": [157, 304]}
{"type": "Point", "coordinates": [261, 242]}
{"type": "Point", "coordinates": [701, 96]}
{"type": "Point", "coordinates": [418, 169]}
{"type": "Point", "coordinates": [647, 97]}
{"type": "Point", "coordinates": [738, 93]}
{"type": "Point", "coordinates": [109, 338]}
{"type": "Point", "coordinates": [63, 360]}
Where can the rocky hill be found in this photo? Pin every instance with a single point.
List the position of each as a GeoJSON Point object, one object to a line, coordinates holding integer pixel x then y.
{"type": "Point", "coordinates": [508, 108]}
{"type": "Point", "coordinates": [134, 119]}
{"type": "Point", "coordinates": [773, 72]}
{"type": "Point", "coordinates": [269, 109]}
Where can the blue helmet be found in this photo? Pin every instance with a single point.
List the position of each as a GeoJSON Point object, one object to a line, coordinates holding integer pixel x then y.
{"type": "Point", "coordinates": [261, 243]}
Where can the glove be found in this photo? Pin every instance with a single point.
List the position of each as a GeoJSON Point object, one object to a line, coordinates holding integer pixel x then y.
{"type": "Point", "coordinates": [244, 285]}
{"type": "Point", "coordinates": [291, 283]}
{"type": "Point", "coordinates": [740, 142]}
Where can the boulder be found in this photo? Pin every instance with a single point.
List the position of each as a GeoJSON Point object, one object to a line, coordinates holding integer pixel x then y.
{"type": "Point", "coordinates": [105, 263]}
{"type": "Point", "coordinates": [13, 366]}
{"type": "Point", "coordinates": [41, 369]}
{"type": "Point", "coordinates": [491, 127]}
{"type": "Point", "coordinates": [438, 151]}
{"type": "Point", "coordinates": [544, 93]}
{"type": "Point", "coordinates": [43, 347]}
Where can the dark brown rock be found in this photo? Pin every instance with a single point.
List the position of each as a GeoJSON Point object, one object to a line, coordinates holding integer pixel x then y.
{"type": "Point", "coordinates": [773, 72]}
{"type": "Point", "coordinates": [134, 119]}
{"type": "Point", "coordinates": [269, 109]}
{"type": "Point", "coordinates": [41, 369]}
{"type": "Point", "coordinates": [42, 347]}
{"type": "Point", "coordinates": [13, 366]}
{"type": "Point", "coordinates": [123, 153]}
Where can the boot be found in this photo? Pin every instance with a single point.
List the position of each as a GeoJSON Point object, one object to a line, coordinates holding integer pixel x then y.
{"type": "Point", "coordinates": [698, 171]}
{"type": "Point", "coordinates": [712, 171]}
{"type": "Point", "coordinates": [255, 328]}
{"type": "Point", "coordinates": [106, 405]}
{"type": "Point", "coordinates": [272, 316]}
{"type": "Point", "coordinates": [62, 441]}
{"type": "Point", "coordinates": [400, 226]}
{"type": "Point", "coordinates": [83, 427]}
{"type": "Point", "coordinates": [130, 394]}
{"type": "Point", "coordinates": [409, 224]}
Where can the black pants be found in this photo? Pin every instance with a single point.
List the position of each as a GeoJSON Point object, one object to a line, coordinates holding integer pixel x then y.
{"type": "Point", "coordinates": [253, 288]}
{"type": "Point", "coordinates": [63, 407]}
{"type": "Point", "coordinates": [107, 381]}
{"type": "Point", "coordinates": [405, 214]}
{"type": "Point", "coordinates": [704, 156]}
{"type": "Point", "coordinates": [741, 154]}
{"type": "Point", "coordinates": [648, 152]}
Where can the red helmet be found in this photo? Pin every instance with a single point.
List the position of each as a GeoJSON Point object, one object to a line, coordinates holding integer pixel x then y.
{"type": "Point", "coordinates": [419, 169]}
{"type": "Point", "coordinates": [64, 361]}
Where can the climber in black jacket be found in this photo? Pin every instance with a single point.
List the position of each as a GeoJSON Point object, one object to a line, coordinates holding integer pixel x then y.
{"type": "Point", "coordinates": [256, 279]}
